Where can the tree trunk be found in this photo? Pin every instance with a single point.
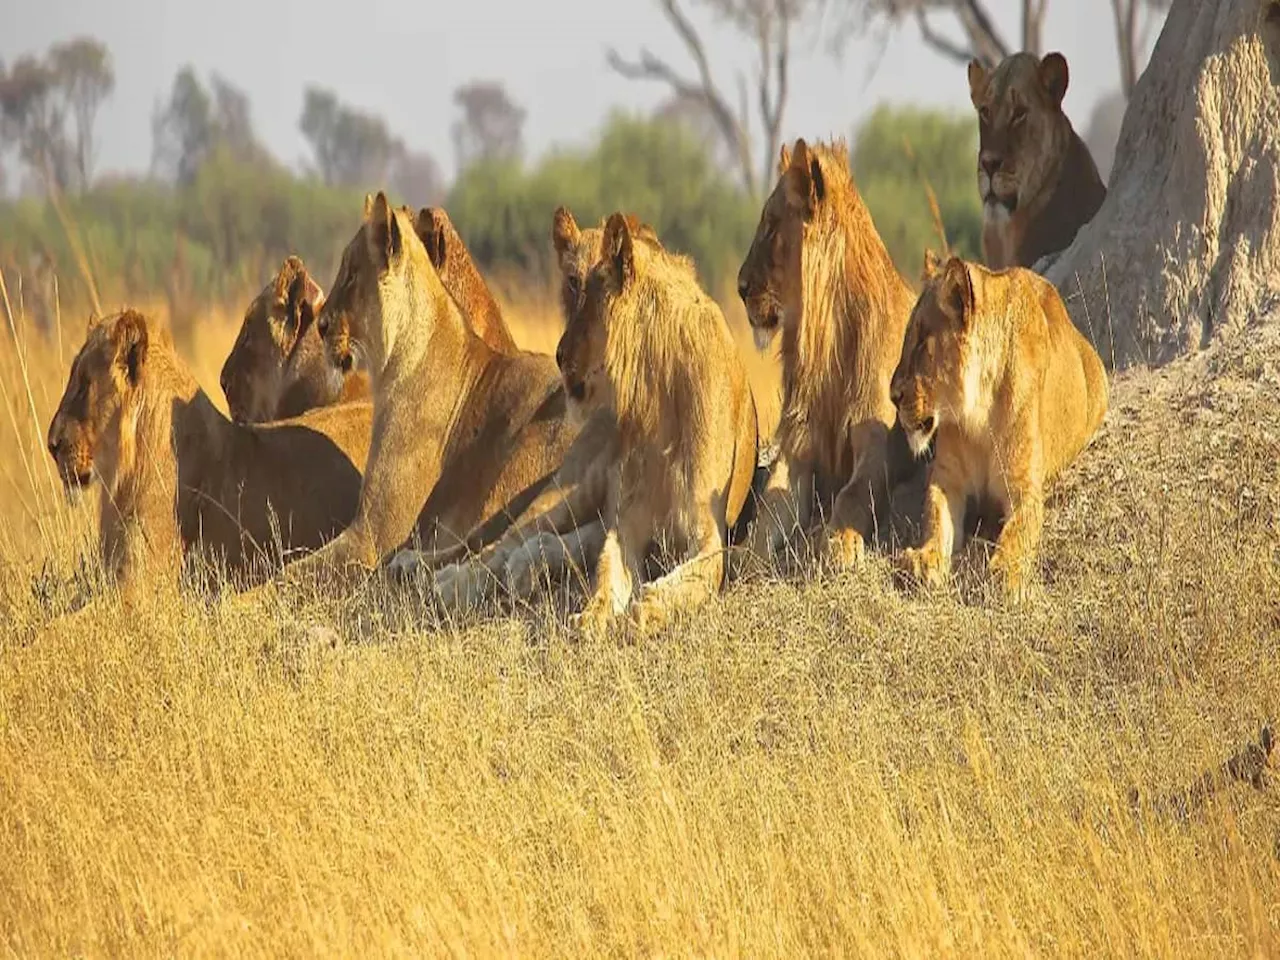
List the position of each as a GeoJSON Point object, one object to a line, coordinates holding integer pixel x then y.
{"type": "Point", "coordinates": [1187, 245]}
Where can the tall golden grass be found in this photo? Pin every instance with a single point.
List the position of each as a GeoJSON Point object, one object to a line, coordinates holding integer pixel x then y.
{"type": "Point", "coordinates": [822, 766]}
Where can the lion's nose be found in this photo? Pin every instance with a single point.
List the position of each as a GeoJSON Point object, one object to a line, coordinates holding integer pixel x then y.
{"type": "Point", "coordinates": [560, 355]}
{"type": "Point", "coordinates": [989, 161]}
{"type": "Point", "coordinates": [895, 394]}
{"type": "Point", "coordinates": [54, 446]}
{"type": "Point", "coordinates": [742, 288]}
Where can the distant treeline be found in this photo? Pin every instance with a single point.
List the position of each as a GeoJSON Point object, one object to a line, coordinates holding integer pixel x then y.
{"type": "Point", "coordinates": [222, 232]}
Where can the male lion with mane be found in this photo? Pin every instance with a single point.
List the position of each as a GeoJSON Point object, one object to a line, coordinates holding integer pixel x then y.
{"type": "Point", "coordinates": [1038, 182]}
{"type": "Point", "coordinates": [461, 432]}
{"type": "Point", "coordinates": [993, 373]}
{"type": "Point", "coordinates": [648, 342]}
{"type": "Point", "coordinates": [175, 473]}
{"type": "Point", "coordinates": [818, 271]}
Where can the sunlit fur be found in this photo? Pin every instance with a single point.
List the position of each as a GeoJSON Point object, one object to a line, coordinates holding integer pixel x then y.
{"type": "Point", "coordinates": [818, 272]}
{"type": "Point", "coordinates": [1043, 185]}
{"type": "Point", "coordinates": [175, 472]}
{"type": "Point", "coordinates": [686, 424]}
{"type": "Point", "coordinates": [277, 333]}
{"type": "Point", "coordinates": [462, 434]}
{"type": "Point", "coordinates": [461, 277]}
{"type": "Point", "coordinates": [561, 530]}
{"type": "Point", "coordinates": [994, 371]}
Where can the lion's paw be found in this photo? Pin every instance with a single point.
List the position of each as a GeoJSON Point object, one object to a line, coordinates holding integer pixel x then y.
{"type": "Point", "coordinates": [921, 567]}
{"type": "Point", "coordinates": [845, 550]}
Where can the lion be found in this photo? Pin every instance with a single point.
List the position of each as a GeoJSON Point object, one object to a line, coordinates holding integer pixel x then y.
{"type": "Point", "coordinates": [647, 341]}
{"type": "Point", "coordinates": [994, 375]}
{"type": "Point", "coordinates": [176, 473]}
{"type": "Point", "coordinates": [274, 335]}
{"type": "Point", "coordinates": [561, 530]}
{"type": "Point", "coordinates": [818, 272]}
{"type": "Point", "coordinates": [460, 276]}
{"type": "Point", "coordinates": [1038, 182]}
{"type": "Point", "coordinates": [461, 433]}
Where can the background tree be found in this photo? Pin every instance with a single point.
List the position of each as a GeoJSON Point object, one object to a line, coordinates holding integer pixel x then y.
{"type": "Point", "coordinates": [1134, 21]}
{"type": "Point", "coordinates": [349, 147]}
{"type": "Point", "coordinates": [771, 26]}
{"type": "Point", "coordinates": [195, 122]}
{"type": "Point", "coordinates": [491, 127]}
{"type": "Point", "coordinates": [975, 33]}
{"type": "Point", "coordinates": [32, 116]}
{"type": "Point", "coordinates": [914, 168]}
{"type": "Point", "coordinates": [83, 73]}
{"type": "Point", "coordinates": [415, 177]}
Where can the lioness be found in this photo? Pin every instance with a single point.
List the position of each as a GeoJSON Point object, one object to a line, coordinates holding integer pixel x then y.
{"type": "Point", "coordinates": [1037, 179]}
{"type": "Point", "coordinates": [176, 473]}
{"type": "Point", "coordinates": [275, 332]}
{"type": "Point", "coordinates": [460, 276]}
{"type": "Point", "coordinates": [658, 348]}
{"type": "Point", "coordinates": [818, 271]}
{"type": "Point", "coordinates": [562, 529]}
{"type": "Point", "coordinates": [465, 430]}
{"type": "Point", "coordinates": [994, 369]}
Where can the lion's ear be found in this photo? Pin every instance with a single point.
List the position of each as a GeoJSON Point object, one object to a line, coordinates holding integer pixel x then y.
{"type": "Point", "coordinates": [1054, 75]}
{"type": "Point", "coordinates": [300, 297]}
{"type": "Point", "coordinates": [932, 264]}
{"type": "Point", "coordinates": [619, 249]}
{"type": "Point", "coordinates": [431, 232]}
{"type": "Point", "coordinates": [130, 338]}
{"type": "Point", "coordinates": [806, 185]}
{"type": "Point", "coordinates": [385, 242]}
{"type": "Point", "coordinates": [285, 276]}
{"type": "Point", "coordinates": [977, 82]}
{"type": "Point", "coordinates": [955, 290]}
{"type": "Point", "coordinates": [784, 159]}
{"type": "Point", "coordinates": [564, 230]}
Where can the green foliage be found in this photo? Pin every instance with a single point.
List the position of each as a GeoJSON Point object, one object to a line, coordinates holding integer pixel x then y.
{"type": "Point", "coordinates": [897, 151]}
{"type": "Point", "coordinates": [651, 168]}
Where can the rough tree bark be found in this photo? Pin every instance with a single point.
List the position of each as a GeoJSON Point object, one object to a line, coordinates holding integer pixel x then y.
{"type": "Point", "coordinates": [1187, 245]}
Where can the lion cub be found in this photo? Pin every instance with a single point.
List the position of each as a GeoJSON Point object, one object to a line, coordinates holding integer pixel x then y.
{"type": "Point", "coordinates": [646, 340]}
{"type": "Point", "coordinates": [993, 368]}
{"type": "Point", "coordinates": [176, 473]}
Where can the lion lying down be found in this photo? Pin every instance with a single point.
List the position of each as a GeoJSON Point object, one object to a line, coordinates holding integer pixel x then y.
{"type": "Point", "coordinates": [462, 433]}
{"type": "Point", "coordinates": [996, 376]}
{"type": "Point", "coordinates": [645, 336]}
{"type": "Point", "coordinates": [277, 367]}
{"type": "Point", "coordinates": [176, 474]}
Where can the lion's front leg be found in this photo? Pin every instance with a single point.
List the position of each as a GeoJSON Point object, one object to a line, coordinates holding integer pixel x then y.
{"type": "Point", "coordinates": [853, 514]}
{"type": "Point", "coordinates": [689, 585]}
{"type": "Point", "coordinates": [1013, 561]}
{"type": "Point", "coordinates": [944, 509]}
{"type": "Point", "coordinates": [619, 569]}
{"type": "Point", "coordinates": [784, 511]}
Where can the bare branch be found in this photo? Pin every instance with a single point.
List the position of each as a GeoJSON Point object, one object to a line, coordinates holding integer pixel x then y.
{"type": "Point", "coordinates": [940, 43]}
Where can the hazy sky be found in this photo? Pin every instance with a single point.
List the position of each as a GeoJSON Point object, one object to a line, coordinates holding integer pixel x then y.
{"type": "Point", "coordinates": [404, 58]}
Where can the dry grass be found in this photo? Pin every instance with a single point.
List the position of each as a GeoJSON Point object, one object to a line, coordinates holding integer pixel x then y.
{"type": "Point", "coordinates": [810, 767]}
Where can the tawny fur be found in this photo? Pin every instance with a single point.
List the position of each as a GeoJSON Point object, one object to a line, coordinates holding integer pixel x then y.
{"type": "Point", "coordinates": [276, 366]}
{"type": "Point", "coordinates": [461, 433]}
{"type": "Point", "coordinates": [1037, 180]}
{"type": "Point", "coordinates": [176, 474]}
{"type": "Point", "coordinates": [994, 372]}
{"type": "Point", "coordinates": [818, 272]}
{"type": "Point", "coordinates": [461, 277]}
{"type": "Point", "coordinates": [650, 338]}
{"type": "Point", "coordinates": [561, 530]}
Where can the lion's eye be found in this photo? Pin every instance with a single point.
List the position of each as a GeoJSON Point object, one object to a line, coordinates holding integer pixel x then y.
{"type": "Point", "coordinates": [984, 115]}
{"type": "Point", "coordinates": [1018, 117]}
